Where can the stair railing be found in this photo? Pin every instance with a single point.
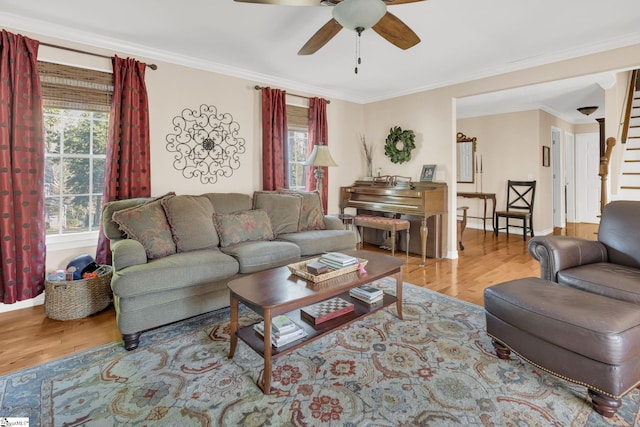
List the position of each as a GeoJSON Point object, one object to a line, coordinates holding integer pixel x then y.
{"type": "Point", "coordinates": [604, 171]}
{"type": "Point", "coordinates": [629, 105]}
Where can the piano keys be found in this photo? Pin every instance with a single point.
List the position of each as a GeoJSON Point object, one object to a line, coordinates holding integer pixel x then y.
{"type": "Point", "coordinates": [424, 204]}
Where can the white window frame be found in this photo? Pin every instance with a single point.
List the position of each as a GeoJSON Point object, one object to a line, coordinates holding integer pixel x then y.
{"type": "Point", "coordinates": [292, 162]}
{"type": "Point", "coordinates": [62, 241]}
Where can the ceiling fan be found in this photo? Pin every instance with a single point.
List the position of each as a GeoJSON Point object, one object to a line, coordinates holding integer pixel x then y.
{"type": "Point", "coordinates": [357, 15]}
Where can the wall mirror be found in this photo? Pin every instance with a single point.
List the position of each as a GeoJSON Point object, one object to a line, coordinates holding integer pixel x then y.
{"type": "Point", "coordinates": [466, 157]}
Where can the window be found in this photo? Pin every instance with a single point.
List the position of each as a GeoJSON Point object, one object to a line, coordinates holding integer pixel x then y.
{"type": "Point", "coordinates": [297, 150]}
{"type": "Point", "coordinates": [76, 119]}
{"type": "Point", "coordinates": [75, 148]}
{"type": "Point", "coordinates": [298, 123]}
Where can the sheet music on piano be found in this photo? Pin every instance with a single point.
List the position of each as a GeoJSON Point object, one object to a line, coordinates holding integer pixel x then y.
{"type": "Point", "coordinates": [392, 180]}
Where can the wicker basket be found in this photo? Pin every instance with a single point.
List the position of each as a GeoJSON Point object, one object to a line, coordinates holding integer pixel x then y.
{"type": "Point", "coordinates": [67, 300]}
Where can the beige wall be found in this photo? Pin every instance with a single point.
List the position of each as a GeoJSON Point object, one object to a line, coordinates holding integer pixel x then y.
{"type": "Point", "coordinates": [508, 145]}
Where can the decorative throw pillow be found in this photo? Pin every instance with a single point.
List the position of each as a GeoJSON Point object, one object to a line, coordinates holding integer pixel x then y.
{"type": "Point", "coordinates": [311, 215]}
{"type": "Point", "coordinates": [243, 226]}
{"type": "Point", "coordinates": [147, 223]}
{"type": "Point", "coordinates": [283, 210]}
{"type": "Point", "coordinates": [191, 221]}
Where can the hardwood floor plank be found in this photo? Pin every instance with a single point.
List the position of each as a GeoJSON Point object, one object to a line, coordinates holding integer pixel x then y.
{"type": "Point", "coordinates": [28, 337]}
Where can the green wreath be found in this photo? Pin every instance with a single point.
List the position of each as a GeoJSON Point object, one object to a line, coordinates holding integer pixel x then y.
{"type": "Point", "coordinates": [399, 145]}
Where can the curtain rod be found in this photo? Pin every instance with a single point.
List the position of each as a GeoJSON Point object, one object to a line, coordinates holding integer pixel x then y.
{"type": "Point", "coordinates": [152, 66]}
{"type": "Point", "coordinates": [256, 87]}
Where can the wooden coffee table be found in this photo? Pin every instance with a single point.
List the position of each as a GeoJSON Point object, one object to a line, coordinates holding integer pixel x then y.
{"type": "Point", "coordinates": [278, 291]}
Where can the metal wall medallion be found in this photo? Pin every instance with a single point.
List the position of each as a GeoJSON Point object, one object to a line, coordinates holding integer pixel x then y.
{"type": "Point", "coordinates": [206, 144]}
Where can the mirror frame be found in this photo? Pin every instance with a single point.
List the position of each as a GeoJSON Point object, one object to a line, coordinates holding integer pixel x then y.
{"type": "Point", "coordinates": [465, 158]}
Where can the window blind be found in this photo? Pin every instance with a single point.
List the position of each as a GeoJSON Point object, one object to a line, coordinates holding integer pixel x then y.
{"type": "Point", "coordinates": [75, 88]}
{"type": "Point", "coordinates": [297, 117]}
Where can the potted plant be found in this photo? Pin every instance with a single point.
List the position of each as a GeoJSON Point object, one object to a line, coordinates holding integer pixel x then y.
{"type": "Point", "coordinates": [368, 156]}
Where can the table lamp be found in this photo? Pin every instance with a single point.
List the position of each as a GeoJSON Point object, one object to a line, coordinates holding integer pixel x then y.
{"type": "Point", "coordinates": [320, 156]}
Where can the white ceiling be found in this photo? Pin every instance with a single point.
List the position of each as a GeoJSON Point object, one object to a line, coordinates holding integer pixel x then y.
{"type": "Point", "coordinates": [461, 40]}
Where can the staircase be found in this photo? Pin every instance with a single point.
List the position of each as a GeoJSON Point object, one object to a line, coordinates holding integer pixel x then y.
{"type": "Point", "coordinates": [630, 167]}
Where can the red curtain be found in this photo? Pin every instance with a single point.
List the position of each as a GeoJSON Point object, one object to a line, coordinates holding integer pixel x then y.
{"type": "Point", "coordinates": [318, 135]}
{"type": "Point", "coordinates": [128, 167]}
{"type": "Point", "coordinates": [22, 221]}
{"type": "Point", "coordinates": [275, 162]}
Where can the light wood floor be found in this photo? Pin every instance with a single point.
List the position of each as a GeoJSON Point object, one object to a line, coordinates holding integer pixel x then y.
{"type": "Point", "coordinates": [29, 338]}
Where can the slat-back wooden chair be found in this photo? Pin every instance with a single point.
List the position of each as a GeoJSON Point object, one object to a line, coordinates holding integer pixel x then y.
{"type": "Point", "coordinates": [520, 198]}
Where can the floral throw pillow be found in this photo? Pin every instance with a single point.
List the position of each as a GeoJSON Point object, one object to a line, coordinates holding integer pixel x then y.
{"type": "Point", "coordinates": [148, 225]}
{"type": "Point", "coordinates": [311, 215]}
{"type": "Point", "coordinates": [243, 226]}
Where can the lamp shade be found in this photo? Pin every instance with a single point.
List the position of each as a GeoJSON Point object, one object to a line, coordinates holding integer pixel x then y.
{"type": "Point", "coordinates": [320, 156]}
{"type": "Point", "coordinates": [363, 14]}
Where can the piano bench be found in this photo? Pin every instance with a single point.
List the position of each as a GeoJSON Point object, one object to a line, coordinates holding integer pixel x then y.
{"type": "Point", "coordinates": [383, 223]}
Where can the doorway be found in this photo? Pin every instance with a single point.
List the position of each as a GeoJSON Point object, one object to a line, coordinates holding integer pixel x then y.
{"type": "Point", "coordinates": [569, 177]}
{"type": "Point", "coordinates": [587, 163]}
{"type": "Point", "coordinates": [557, 181]}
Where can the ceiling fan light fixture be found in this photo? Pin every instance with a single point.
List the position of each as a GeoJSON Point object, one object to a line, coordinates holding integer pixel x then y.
{"type": "Point", "coordinates": [363, 14]}
{"type": "Point", "coordinates": [587, 110]}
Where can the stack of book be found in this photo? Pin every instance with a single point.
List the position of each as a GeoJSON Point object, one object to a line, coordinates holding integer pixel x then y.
{"type": "Point", "coordinates": [283, 331]}
{"type": "Point", "coordinates": [337, 260]}
{"type": "Point", "coordinates": [326, 310]}
{"type": "Point", "coordinates": [367, 293]}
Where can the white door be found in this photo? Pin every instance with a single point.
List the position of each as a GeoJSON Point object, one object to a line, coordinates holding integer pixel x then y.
{"type": "Point", "coordinates": [558, 182]}
{"type": "Point", "coordinates": [569, 177]}
{"type": "Point", "coordinates": [587, 179]}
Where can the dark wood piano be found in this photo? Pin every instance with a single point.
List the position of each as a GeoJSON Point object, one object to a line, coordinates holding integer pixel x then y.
{"type": "Point", "coordinates": [424, 204]}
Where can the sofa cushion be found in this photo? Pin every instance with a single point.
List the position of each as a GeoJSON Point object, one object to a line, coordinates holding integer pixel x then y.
{"type": "Point", "coordinates": [603, 278]}
{"type": "Point", "coordinates": [191, 221]}
{"type": "Point", "coordinates": [244, 226]}
{"type": "Point", "coordinates": [311, 215]}
{"type": "Point", "coordinates": [283, 210]}
{"type": "Point", "coordinates": [224, 203]}
{"type": "Point", "coordinates": [180, 270]}
{"type": "Point", "coordinates": [147, 223]}
{"type": "Point", "coordinates": [315, 242]}
{"type": "Point", "coordinates": [258, 256]}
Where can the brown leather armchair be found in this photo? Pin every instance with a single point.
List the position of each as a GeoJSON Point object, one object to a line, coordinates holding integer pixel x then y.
{"type": "Point", "coordinates": [609, 266]}
{"type": "Point", "coordinates": [585, 327]}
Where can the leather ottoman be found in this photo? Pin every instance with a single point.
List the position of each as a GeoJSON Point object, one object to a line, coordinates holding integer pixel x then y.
{"type": "Point", "coordinates": [579, 336]}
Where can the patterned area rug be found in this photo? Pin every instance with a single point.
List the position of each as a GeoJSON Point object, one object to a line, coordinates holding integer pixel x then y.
{"type": "Point", "coordinates": [436, 368]}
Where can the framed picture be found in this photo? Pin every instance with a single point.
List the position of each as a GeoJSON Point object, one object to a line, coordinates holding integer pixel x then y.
{"type": "Point", "coordinates": [546, 156]}
{"type": "Point", "coordinates": [428, 172]}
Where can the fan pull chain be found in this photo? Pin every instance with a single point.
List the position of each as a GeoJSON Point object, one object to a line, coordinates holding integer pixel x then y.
{"type": "Point", "coordinates": [359, 30]}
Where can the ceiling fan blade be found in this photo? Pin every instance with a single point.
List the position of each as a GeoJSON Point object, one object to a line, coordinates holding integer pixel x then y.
{"type": "Point", "coordinates": [284, 2]}
{"type": "Point", "coordinates": [321, 37]}
{"type": "Point", "coordinates": [396, 32]}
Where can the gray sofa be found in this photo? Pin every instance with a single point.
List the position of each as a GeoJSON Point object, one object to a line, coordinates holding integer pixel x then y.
{"type": "Point", "coordinates": [173, 256]}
